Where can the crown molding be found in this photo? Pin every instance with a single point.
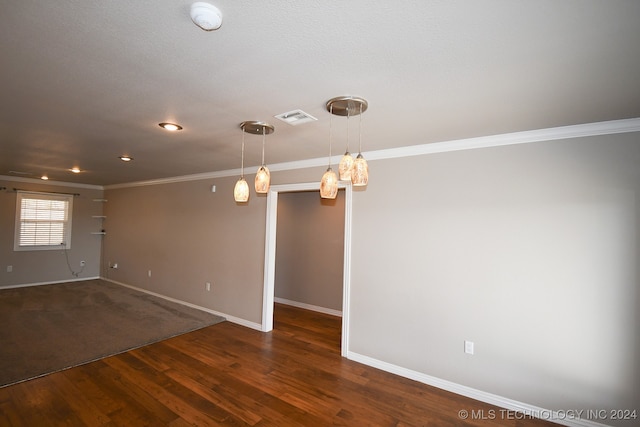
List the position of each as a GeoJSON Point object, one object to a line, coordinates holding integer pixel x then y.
{"type": "Point", "coordinates": [525, 137]}
{"type": "Point", "coordinates": [48, 182]}
{"type": "Point", "coordinates": [299, 164]}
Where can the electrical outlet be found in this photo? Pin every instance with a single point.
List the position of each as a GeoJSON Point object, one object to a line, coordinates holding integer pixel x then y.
{"type": "Point", "coordinates": [82, 263]}
{"type": "Point", "coordinates": [9, 268]}
{"type": "Point", "coordinates": [149, 273]}
{"type": "Point", "coordinates": [207, 286]}
{"type": "Point", "coordinates": [468, 347]}
{"type": "Point", "coordinates": [115, 265]}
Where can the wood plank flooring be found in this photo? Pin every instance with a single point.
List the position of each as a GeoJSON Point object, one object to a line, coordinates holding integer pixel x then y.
{"type": "Point", "coordinates": [230, 375]}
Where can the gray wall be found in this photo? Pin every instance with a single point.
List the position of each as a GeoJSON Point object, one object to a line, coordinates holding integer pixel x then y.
{"type": "Point", "coordinates": [310, 249]}
{"type": "Point", "coordinates": [34, 267]}
{"type": "Point", "coordinates": [530, 251]}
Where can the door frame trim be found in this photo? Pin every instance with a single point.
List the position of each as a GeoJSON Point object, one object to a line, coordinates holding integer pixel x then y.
{"type": "Point", "coordinates": [268, 294]}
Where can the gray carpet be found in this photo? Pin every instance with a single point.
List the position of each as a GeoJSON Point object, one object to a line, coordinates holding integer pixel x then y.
{"type": "Point", "coordinates": [48, 328]}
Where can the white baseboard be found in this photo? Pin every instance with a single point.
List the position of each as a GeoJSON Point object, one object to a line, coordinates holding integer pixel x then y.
{"type": "Point", "coordinates": [527, 410]}
{"type": "Point", "coordinates": [232, 319]}
{"type": "Point", "coordinates": [26, 285]}
{"type": "Point", "coordinates": [309, 307]}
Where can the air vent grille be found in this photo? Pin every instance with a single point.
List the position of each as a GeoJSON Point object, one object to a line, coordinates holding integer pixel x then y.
{"type": "Point", "coordinates": [296, 117]}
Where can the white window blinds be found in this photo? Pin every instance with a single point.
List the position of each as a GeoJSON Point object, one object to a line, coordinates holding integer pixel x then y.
{"type": "Point", "coordinates": [43, 221]}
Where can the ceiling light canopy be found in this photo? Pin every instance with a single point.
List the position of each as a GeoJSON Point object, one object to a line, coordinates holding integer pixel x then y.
{"type": "Point", "coordinates": [257, 128]}
{"type": "Point", "coordinates": [170, 126]}
{"type": "Point", "coordinates": [347, 105]}
{"type": "Point", "coordinates": [206, 16]}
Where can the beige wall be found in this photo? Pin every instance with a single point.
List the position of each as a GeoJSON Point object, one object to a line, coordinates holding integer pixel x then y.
{"type": "Point", "coordinates": [35, 267]}
{"type": "Point", "coordinates": [188, 236]}
{"type": "Point", "coordinates": [530, 251]}
{"type": "Point", "coordinates": [310, 249]}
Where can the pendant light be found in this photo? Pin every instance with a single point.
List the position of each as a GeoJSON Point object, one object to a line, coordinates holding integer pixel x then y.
{"type": "Point", "coordinates": [241, 190]}
{"type": "Point", "coordinates": [329, 181]}
{"type": "Point", "coordinates": [348, 106]}
{"type": "Point", "coordinates": [263, 177]}
{"type": "Point", "coordinates": [346, 163]}
{"type": "Point", "coordinates": [360, 171]}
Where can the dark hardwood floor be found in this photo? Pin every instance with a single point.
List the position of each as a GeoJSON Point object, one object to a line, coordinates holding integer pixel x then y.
{"type": "Point", "coordinates": [231, 375]}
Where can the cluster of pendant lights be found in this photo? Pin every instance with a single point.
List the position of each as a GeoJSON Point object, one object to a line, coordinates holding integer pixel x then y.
{"type": "Point", "coordinates": [263, 177]}
{"type": "Point", "coordinates": [356, 171]}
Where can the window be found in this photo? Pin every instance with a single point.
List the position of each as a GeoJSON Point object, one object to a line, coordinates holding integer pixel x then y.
{"type": "Point", "coordinates": [43, 221]}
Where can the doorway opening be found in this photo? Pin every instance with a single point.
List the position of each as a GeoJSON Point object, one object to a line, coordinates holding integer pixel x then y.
{"type": "Point", "coordinates": [270, 255]}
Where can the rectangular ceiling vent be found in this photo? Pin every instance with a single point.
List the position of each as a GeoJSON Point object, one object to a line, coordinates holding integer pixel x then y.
{"type": "Point", "coordinates": [296, 117]}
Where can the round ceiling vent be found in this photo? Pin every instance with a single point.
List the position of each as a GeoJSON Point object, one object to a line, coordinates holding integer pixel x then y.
{"type": "Point", "coordinates": [206, 16]}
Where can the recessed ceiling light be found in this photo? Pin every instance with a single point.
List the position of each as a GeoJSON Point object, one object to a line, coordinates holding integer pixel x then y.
{"type": "Point", "coordinates": [170, 126]}
{"type": "Point", "coordinates": [44, 177]}
{"type": "Point", "coordinates": [125, 158]}
{"type": "Point", "coordinates": [75, 170]}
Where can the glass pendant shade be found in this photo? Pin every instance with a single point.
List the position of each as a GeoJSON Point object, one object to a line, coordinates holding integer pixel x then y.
{"type": "Point", "coordinates": [263, 180]}
{"type": "Point", "coordinates": [241, 191]}
{"type": "Point", "coordinates": [360, 172]}
{"type": "Point", "coordinates": [345, 167]}
{"type": "Point", "coordinates": [329, 185]}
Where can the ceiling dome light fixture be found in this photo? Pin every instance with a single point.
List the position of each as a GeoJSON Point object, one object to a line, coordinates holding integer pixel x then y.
{"type": "Point", "coordinates": [170, 126]}
{"type": "Point", "coordinates": [44, 178]}
{"type": "Point", "coordinates": [75, 169]}
{"type": "Point", "coordinates": [125, 158]}
{"type": "Point", "coordinates": [206, 16]}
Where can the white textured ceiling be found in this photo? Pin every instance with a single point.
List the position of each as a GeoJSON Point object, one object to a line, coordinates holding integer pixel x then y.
{"type": "Point", "coordinates": [85, 81]}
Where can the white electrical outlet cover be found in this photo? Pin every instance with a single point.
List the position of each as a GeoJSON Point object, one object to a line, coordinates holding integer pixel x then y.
{"type": "Point", "coordinates": [468, 347]}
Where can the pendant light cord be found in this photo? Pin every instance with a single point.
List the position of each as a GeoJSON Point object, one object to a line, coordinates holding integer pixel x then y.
{"type": "Point", "coordinates": [330, 129]}
{"type": "Point", "coordinates": [242, 162]}
{"type": "Point", "coordinates": [347, 130]}
{"type": "Point", "coordinates": [359, 132]}
{"type": "Point", "coordinates": [263, 139]}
